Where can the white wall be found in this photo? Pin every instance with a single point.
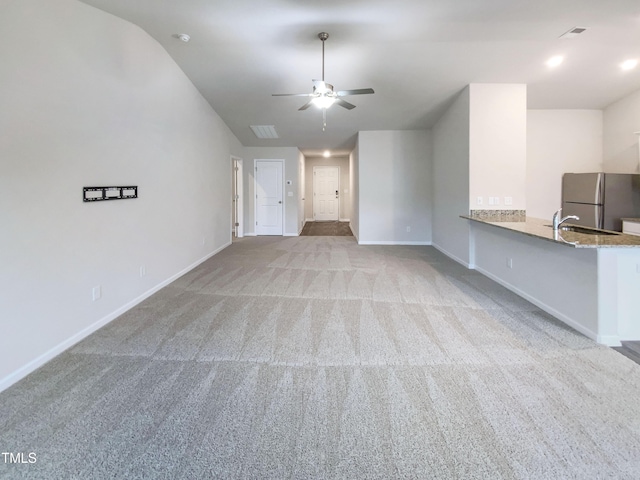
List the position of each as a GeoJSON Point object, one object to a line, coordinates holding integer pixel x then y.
{"type": "Point", "coordinates": [451, 180]}
{"type": "Point", "coordinates": [395, 187]}
{"type": "Point", "coordinates": [559, 141]}
{"type": "Point", "coordinates": [497, 145]}
{"type": "Point", "coordinates": [354, 174]}
{"type": "Point", "coordinates": [345, 184]}
{"type": "Point", "coordinates": [291, 157]}
{"type": "Point", "coordinates": [89, 99]}
{"type": "Point", "coordinates": [621, 120]}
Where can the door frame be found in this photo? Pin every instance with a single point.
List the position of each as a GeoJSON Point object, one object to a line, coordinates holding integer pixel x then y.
{"type": "Point", "coordinates": [236, 163]}
{"type": "Point", "coordinates": [313, 186]}
{"type": "Point", "coordinates": [255, 190]}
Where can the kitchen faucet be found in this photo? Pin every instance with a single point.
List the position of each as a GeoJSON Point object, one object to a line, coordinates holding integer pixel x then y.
{"type": "Point", "coordinates": [557, 221]}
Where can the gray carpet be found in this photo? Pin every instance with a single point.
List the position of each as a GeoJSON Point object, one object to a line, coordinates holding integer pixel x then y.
{"type": "Point", "coordinates": [312, 357]}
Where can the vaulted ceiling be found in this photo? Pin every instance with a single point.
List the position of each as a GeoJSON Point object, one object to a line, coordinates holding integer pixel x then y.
{"type": "Point", "coordinates": [416, 54]}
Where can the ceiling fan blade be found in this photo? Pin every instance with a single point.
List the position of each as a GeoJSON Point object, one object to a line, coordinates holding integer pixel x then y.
{"type": "Point", "coordinates": [342, 103]}
{"type": "Point", "coordinates": [306, 105]}
{"type": "Point", "coordinates": [359, 91]}
{"type": "Point", "coordinates": [292, 94]}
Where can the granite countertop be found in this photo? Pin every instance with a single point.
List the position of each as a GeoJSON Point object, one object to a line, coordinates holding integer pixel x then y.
{"type": "Point", "coordinates": [539, 228]}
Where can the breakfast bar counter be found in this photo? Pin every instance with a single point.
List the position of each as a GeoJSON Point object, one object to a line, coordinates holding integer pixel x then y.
{"type": "Point", "coordinates": [590, 281]}
{"type": "Point", "coordinates": [542, 229]}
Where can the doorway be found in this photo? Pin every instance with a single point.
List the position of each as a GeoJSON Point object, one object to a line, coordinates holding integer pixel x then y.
{"type": "Point", "coordinates": [326, 193]}
{"type": "Point", "coordinates": [269, 205]}
{"type": "Point", "coordinates": [237, 226]}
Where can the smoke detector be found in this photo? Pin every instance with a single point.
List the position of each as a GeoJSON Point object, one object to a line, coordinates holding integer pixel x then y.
{"type": "Point", "coordinates": [183, 36]}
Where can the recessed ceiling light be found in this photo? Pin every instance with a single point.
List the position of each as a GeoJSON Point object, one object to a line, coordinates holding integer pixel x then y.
{"type": "Point", "coordinates": [629, 64]}
{"type": "Point", "coordinates": [326, 154]}
{"type": "Point", "coordinates": [555, 61]}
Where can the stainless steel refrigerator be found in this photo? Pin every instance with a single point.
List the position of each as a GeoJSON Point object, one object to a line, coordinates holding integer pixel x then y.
{"type": "Point", "coordinates": [601, 199]}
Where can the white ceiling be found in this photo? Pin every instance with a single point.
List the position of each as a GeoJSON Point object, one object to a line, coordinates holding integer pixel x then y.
{"type": "Point", "coordinates": [416, 55]}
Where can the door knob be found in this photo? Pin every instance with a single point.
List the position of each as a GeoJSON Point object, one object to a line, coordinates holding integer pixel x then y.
{"type": "Point", "coordinates": [279, 201]}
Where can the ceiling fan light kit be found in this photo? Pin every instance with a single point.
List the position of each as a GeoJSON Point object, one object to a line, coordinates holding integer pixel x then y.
{"type": "Point", "coordinates": [323, 95]}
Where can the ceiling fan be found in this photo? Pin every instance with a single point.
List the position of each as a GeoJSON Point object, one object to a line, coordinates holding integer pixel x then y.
{"type": "Point", "coordinates": [324, 95]}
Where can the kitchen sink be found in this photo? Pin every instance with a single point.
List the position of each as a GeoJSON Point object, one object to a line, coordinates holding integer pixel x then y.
{"type": "Point", "coordinates": [585, 230]}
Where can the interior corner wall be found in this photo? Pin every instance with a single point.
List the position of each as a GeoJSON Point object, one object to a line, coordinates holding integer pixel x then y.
{"type": "Point", "coordinates": [395, 187]}
{"type": "Point", "coordinates": [451, 180]}
{"type": "Point", "coordinates": [559, 141]}
{"type": "Point", "coordinates": [345, 182]}
{"type": "Point", "coordinates": [291, 157]}
{"type": "Point", "coordinates": [354, 172]}
{"type": "Point", "coordinates": [91, 100]}
{"type": "Point", "coordinates": [621, 122]}
{"type": "Point", "coordinates": [498, 145]}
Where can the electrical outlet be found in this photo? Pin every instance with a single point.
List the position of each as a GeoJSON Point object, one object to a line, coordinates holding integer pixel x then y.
{"type": "Point", "coordinates": [509, 262]}
{"type": "Point", "coordinates": [508, 200]}
{"type": "Point", "coordinates": [479, 201]}
{"type": "Point", "coordinates": [496, 200]}
{"type": "Point", "coordinates": [96, 293]}
{"type": "Point", "coordinates": [408, 229]}
{"type": "Point", "coordinates": [490, 200]}
{"type": "Point", "coordinates": [204, 240]}
{"type": "Point", "coordinates": [143, 271]}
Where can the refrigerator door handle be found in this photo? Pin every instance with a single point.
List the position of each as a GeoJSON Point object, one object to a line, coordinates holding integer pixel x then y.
{"type": "Point", "coordinates": [599, 200]}
{"type": "Point", "coordinates": [599, 216]}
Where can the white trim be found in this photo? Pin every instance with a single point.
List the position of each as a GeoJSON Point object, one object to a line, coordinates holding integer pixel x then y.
{"type": "Point", "coordinates": [250, 234]}
{"type": "Point", "coordinates": [309, 220]}
{"type": "Point", "coordinates": [238, 162]}
{"type": "Point", "coordinates": [344, 219]}
{"type": "Point", "coordinates": [453, 257]}
{"type": "Point", "coordinates": [392, 242]}
{"type": "Point", "coordinates": [290, 235]}
{"type": "Point", "coordinates": [36, 363]}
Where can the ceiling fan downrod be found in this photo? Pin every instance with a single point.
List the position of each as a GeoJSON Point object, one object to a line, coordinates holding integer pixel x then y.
{"type": "Point", "coordinates": [323, 36]}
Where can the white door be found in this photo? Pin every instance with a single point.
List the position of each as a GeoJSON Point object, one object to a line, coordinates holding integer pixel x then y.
{"type": "Point", "coordinates": [269, 197]}
{"type": "Point", "coordinates": [326, 189]}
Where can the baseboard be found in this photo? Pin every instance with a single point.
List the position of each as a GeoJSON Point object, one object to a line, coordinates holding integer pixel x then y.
{"type": "Point", "coordinates": [344, 219]}
{"type": "Point", "coordinates": [290, 234]}
{"type": "Point", "coordinates": [609, 340]}
{"type": "Point", "coordinates": [391, 242]}
{"type": "Point", "coordinates": [309, 220]}
{"type": "Point", "coordinates": [250, 234]}
{"type": "Point", "coordinates": [452, 256]}
{"type": "Point", "coordinates": [36, 363]}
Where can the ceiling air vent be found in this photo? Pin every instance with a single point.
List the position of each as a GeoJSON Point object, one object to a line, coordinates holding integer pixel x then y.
{"type": "Point", "coordinates": [574, 32]}
{"type": "Point", "coordinates": [264, 131]}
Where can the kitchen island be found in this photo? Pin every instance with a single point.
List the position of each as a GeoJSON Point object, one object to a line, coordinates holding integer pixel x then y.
{"type": "Point", "coordinates": [590, 282]}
